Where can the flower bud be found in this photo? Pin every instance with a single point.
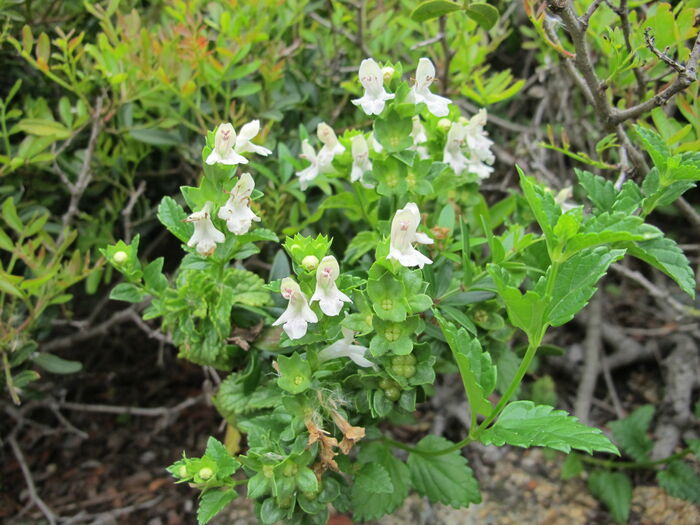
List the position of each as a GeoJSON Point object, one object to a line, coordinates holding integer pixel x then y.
{"type": "Point", "coordinates": [463, 121]}
{"type": "Point", "coordinates": [310, 263]}
{"type": "Point", "coordinates": [444, 124]}
{"type": "Point", "coordinates": [120, 257]}
{"type": "Point", "coordinates": [206, 473]}
{"type": "Point", "coordinates": [182, 471]}
{"type": "Point", "coordinates": [387, 73]}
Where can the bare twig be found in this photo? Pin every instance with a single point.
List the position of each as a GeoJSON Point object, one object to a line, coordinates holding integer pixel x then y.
{"type": "Point", "coordinates": [586, 18]}
{"type": "Point", "coordinates": [136, 411]}
{"type": "Point", "coordinates": [591, 368]}
{"type": "Point", "coordinates": [605, 367]}
{"type": "Point", "coordinates": [153, 334]}
{"type": "Point", "coordinates": [84, 335]}
{"type": "Point", "coordinates": [77, 188]}
{"type": "Point", "coordinates": [650, 287]}
{"type": "Point", "coordinates": [33, 496]}
{"type": "Point", "coordinates": [129, 208]}
{"type": "Point", "coordinates": [688, 212]}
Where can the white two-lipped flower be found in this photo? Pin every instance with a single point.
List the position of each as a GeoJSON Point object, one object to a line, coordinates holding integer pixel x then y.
{"type": "Point", "coordinates": [205, 236]}
{"type": "Point", "coordinates": [453, 154]}
{"type": "Point", "coordinates": [372, 79]}
{"type": "Point", "coordinates": [420, 92]}
{"type": "Point", "coordinates": [329, 298]}
{"type": "Point", "coordinates": [419, 137]}
{"type": "Point", "coordinates": [298, 314]}
{"type": "Point", "coordinates": [236, 212]}
{"type": "Point", "coordinates": [360, 158]}
{"type": "Point", "coordinates": [228, 146]}
{"type": "Point", "coordinates": [345, 348]}
{"type": "Point", "coordinates": [321, 162]}
{"type": "Point", "coordinates": [479, 145]}
{"type": "Point", "coordinates": [404, 233]}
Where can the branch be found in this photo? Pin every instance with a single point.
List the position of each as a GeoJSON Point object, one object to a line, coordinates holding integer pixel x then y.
{"type": "Point", "coordinates": [586, 18]}
{"type": "Point", "coordinates": [687, 74]}
{"type": "Point", "coordinates": [593, 344]}
{"type": "Point", "coordinates": [136, 411]}
{"type": "Point", "coordinates": [100, 329]}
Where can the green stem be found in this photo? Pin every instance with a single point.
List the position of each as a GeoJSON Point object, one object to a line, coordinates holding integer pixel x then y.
{"type": "Point", "coordinates": [611, 463]}
{"type": "Point", "coordinates": [416, 450]}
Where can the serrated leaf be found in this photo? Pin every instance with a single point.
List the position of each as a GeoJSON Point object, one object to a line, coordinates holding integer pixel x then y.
{"type": "Point", "coordinates": [629, 198]}
{"type": "Point", "coordinates": [226, 464]}
{"type": "Point", "coordinates": [608, 228]}
{"type": "Point", "coordinates": [212, 502]}
{"type": "Point", "coordinates": [373, 505]}
{"type": "Point", "coordinates": [483, 14]}
{"type": "Point", "coordinates": [665, 255]}
{"type": "Point", "coordinates": [233, 398]}
{"type": "Point", "coordinates": [372, 478]}
{"type": "Point", "coordinates": [630, 433]}
{"type": "Point", "coordinates": [615, 490]}
{"type": "Point", "coordinates": [445, 478]}
{"type": "Point", "coordinates": [171, 215]}
{"type": "Point", "coordinates": [654, 146]}
{"type": "Point", "coordinates": [542, 204]}
{"type": "Point", "coordinates": [525, 311]}
{"type": "Point", "coordinates": [475, 367]}
{"type": "Point", "coordinates": [599, 191]}
{"type": "Point", "coordinates": [575, 282]}
{"type": "Point", "coordinates": [247, 288]}
{"type": "Point", "coordinates": [524, 424]}
{"type": "Point", "coordinates": [433, 9]}
{"type": "Point", "coordinates": [681, 481]}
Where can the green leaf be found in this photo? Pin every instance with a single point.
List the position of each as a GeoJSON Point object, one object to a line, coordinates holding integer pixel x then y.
{"type": "Point", "coordinates": [295, 373]}
{"type": "Point", "coordinates": [608, 228]}
{"type": "Point", "coordinates": [371, 504]}
{"type": "Point", "coordinates": [629, 198]}
{"type": "Point", "coordinates": [9, 214]}
{"type": "Point", "coordinates": [542, 204]}
{"type": "Point", "coordinates": [44, 128]}
{"type": "Point", "coordinates": [434, 8]}
{"type": "Point", "coordinates": [246, 89]}
{"type": "Point", "coordinates": [127, 292]}
{"type": "Point", "coordinates": [445, 478]}
{"type": "Point", "coordinates": [362, 243]}
{"type": "Point", "coordinates": [572, 467]}
{"type": "Point", "coordinates": [680, 480]}
{"type": "Point", "coordinates": [372, 478]}
{"type": "Point", "coordinates": [654, 146]}
{"type": "Point", "coordinates": [665, 255]}
{"type": "Point", "coordinates": [171, 215]}
{"type": "Point", "coordinates": [599, 191]}
{"type": "Point", "coordinates": [155, 137]}
{"type": "Point", "coordinates": [212, 502]}
{"type": "Point", "coordinates": [475, 367]}
{"type": "Point", "coordinates": [524, 424]}
{"type": "Point", "coordinates": [153, 277]}
{"type": "Point", "coordinates": [483, 14]}
{"type": "Point", "coordinates": [225, 463]}
{"type": "Point", "coordinates": [575, 282]}
{"type": "Point", "coordinates": [630, 433]}
{"type": "Point", "coordinates": [615, 490]}
{"type": "Point", "coordinates": [525, 311]}
{"type": "Point", "coordinates": [394, 133]}
{"type": "Point", "coordinates": [56, 365]}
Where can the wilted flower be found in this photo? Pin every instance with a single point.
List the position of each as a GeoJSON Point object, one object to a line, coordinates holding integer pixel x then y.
{"type": "Point", "coordinates": [329, 298]}
{"type": "Point", "coordinates": [351, 434]}
{"type": "Point", "coordinates": [296, 317]}
{"type": "Point", "coordinates": [360, 158]}
{"type": "Point", "coordinates": [224, 142]}
{"type": "Point", "coordinates": [236, 212]}
{"type": "Point", "coordinates": [425, 74]}
{"type": "Point", "coordinates": [345, 348]}
{"type": "Point", "coordinates": [404, 232]}
{"type": "Point", "coordinates": [372, 79]}
{"type": "Point", "coordinates": [245, 135]}
{"type": "Point", "coordinates": [205, 236]}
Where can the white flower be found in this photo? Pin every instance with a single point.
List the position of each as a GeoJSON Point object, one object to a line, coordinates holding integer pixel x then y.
{"type": "Point", "coordinates": [345, 348]}
{"type": "Point", "coordinates": [403, 234]}
{"type": "Point", "coordinates": [245, 135]}
{"type": "Point", "coordinates": [298, 314]}
{"type": "Point", "coordinates": [452, 154]}
{"type": "Point", "coordinates": [311, 172]}
{"type": "Point", "coordinates": [479, 168]}
{"type": "Point", "coordinates": [478, 144]}
{"type": "Point", "coordinates": [331, 147]}
{"type": "Point", "coordinates": [329, 298]}
{"type": "Point", "coordinates": [205, 236]}
{"type": "Point", "coordinates": [223, 152]}
{"type": "Point", "coordinates": [236, 212]}
{"type": "Point", "coordinates": [360, 158]}
{"type": "Point", "coordinates": [425, 74]}
{"type": "Point", "coordinates": [419, 137]}
{"type": "Point", "coordinates": [372, 79]}
{"type": "Point", "coordinates": [376, 146]}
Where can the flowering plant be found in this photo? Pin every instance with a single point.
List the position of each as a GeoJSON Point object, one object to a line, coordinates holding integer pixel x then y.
{"type": "Point", "coordinates": [345, 336]}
